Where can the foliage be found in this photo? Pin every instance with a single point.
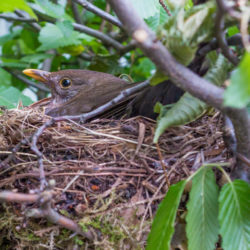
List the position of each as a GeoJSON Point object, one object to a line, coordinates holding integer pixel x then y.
{"type": "Point", "coordinates": [206, 207]}
{"type": "Point", "coordinates": [189, 108]}
{"type": "Point", "coordinates": [238, 93]}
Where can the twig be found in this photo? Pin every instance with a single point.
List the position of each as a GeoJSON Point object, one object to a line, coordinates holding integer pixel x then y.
{"type": "Point", "coordinates": [91, 7]}
{"type": "Point", "coordinates": [220, 35]}
{"type": "Point", "coordinates": [47, 62]}
{"type": "Point", "coordinates": [95, 33]}
{"type": "Point", "coordinates": [162, 164]}
{"type": "Point", "coordinates": [76, 12]}
{"type": "Point", "coordinates": [36, 26]}
{"type": "Point", "coordinates": [165, 7]}
{"type": "Point", "coordinates": [27, 81]}
{"type": "Point", "coordinates": [228, 9]}
{"type": "Point", "coordinates": [18, 19]}
{"type": "Point", "coordinates": [45, 210]}
{"type": "Point", "coordinates": [122, 96]}
{"type": "Point", "coordinates": [180, 75]}
{"type": "Point", "coordinates": [35, 149]}
{"type": "Point", "coordinates": [235, 40]}
{"type": "Point", "coordinates": [14, 150]}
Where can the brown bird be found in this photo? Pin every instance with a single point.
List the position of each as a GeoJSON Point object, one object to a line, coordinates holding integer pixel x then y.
{"type": "Point", "coordinates": [76, 92]}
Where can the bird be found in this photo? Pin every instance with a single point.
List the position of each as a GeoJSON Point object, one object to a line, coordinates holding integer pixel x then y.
{"type": "Point", "coordinates": [76, 91]}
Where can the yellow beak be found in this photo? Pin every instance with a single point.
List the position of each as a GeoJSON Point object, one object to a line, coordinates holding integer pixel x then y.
{"type": "Point", "coordinates": [40, 75]}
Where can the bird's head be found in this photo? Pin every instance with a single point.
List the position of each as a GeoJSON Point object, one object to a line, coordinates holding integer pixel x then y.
{"type": "Point", "coordinates": [64, 84]}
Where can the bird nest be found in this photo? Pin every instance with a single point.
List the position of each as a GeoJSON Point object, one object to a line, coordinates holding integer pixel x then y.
{"type": "Point", "coordinates": [108, 173]}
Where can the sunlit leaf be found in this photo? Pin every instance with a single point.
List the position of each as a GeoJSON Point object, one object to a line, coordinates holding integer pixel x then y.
{"type": "Point", "coordinates": [11, 96]}
{"type": "Point", "coordinates": [163, 226]}
{"type": "Point", "coordinates": [11, 5]}
{"type": "Point", "coordinates": [57, 35]}
{"type": "Point", "coordinates": [147, 8]}
{"type": "Point", "coordinates": [234, 215]}
{"type": "Point", "coordinates": [202, 217]}
{"type": "Point", "coordinates": [189, 108]}
{"type": "Point", "coordinates": [238, 93]}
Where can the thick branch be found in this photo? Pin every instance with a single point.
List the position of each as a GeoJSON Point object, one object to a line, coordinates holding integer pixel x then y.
{"type": "Point", "coordinates": [154, 49]}
{"type": "Point", "coordinates": [180, 75]}
{"type": "Point", "coordinates": [91, 7]}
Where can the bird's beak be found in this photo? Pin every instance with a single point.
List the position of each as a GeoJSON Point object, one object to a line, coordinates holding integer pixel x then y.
{"type": "Point", "coordinates": [40, 75]}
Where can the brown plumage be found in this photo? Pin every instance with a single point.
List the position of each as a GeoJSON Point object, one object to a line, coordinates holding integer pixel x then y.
{"type": "Point", "coordinates": [76, 92]}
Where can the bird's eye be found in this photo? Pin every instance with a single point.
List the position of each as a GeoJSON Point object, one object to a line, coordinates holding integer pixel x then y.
{"type": "Point", "coordinates": [65, 83]}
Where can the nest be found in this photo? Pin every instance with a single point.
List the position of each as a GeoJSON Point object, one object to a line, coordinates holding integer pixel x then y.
{"type": "Point", "coordinates": [108, 173]}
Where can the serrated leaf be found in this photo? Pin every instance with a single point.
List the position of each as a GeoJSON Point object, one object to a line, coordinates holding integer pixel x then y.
{"type": "Point", "coordinates": [11, 96]}
{"type": "Point", "coordinates": [184, 31]}
{"type": "Point", "coordinates": [189, 108]}
{"type": "Point", "coordinates": [238, 93]}
{"type": "Point", "coordinates": [54, 10]}
{"type": "Point", "coordinates": [158, 19]}
{"type": "Point", "coordinates": [202, 217]}
{"type": "Point", "coordinates": [57, 35]}
{"type": "Point", "coordinates": [163, 226]}
{"type": "Point", "coordinates": [147, 8]}
{"type": "Point", "coordinates": [11, 5]}
{"type": "Point", "coordinates": [234, 215]}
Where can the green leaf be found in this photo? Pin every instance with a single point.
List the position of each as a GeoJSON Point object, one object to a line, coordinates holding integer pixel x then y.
{"type": "Point", "coordinates": [13, 63]}
{"type": "Point", "coordinates": [234, 215]}
{"type": "Point", "coordinates": [11, 96]}
{"type": "Point", "coordinates": [189, 4]}
{"type": "Point", "coordinates": [158, 19]}
{"type": "Point", "coordinates": [157, 78]}
{"type": "Point", "coordinates": [202, 217]}
{"type": "Point", "coordinates": [146, 8]}
{"type": "Point", "coordinates": [10, 36]}
{"type": "Point", "coordinates": [12, 5]}
{"type": "Point", "coordinates": [238, 93]}
{"type": "Point", "coordinates": [5, 79]}
{"type": "Point", "coordinates": [189, 108]}
{"type": "Point", "coordinates": [57, 35]}
{"type": "Point", "coordinates": [233, 30]}
{"type": "Point", "coordinates": [35, 58]}
{"type": "Point", "coordinates": [163, 225]}
{"type": "Point", "coordinates": [54, 10]}
{"type": "Point", "coordinates": [175, 4]}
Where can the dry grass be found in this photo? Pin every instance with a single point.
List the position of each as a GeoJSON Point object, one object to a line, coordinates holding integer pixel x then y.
{"type": "Point", "coordinates": [107, 172]}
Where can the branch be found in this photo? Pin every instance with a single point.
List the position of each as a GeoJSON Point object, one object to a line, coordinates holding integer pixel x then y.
{"type": "Point", "coordinates": [76, 12]}
{"type": "Point", "coordinates": [27, 81]}
{"type": "Point", "coordinates": [45, 210]}
{"type": "Point", "coordinates": [220, 35]}
{"type": "Point", "coordinates": [165, 7]}
{"type": "Point", "coordinates": [235, 40]}
{"type": "Point", "coordinates": [91, 7]}
{"type": "Point", "coordinates": [95, 33]}
{"type": "Point", "coordinates": [154, 49]}
{"type": "Point", "coordinates": [18, 19]}
{"type": "Point", "coordinates": [34, 25]}
{"type": "Point", "coordinates": [180, 75]}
